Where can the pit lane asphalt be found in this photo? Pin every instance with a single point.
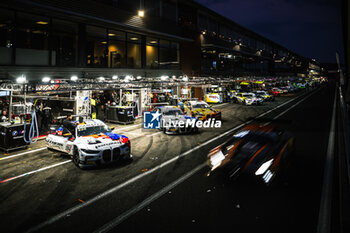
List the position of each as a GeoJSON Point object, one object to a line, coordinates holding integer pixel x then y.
{"type": "Point", "coordinates": [212, 204]}
{"type": "Point", "coordinates": [33, 199]}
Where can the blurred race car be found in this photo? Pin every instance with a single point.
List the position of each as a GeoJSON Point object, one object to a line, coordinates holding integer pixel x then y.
{"type": "Point", "coordinates": [264, 95]}
{"type": "Point", "coordinates": [275, 92]}
{"type": "Point", "coordinates": [201, 110]}
{"type": "Point", "coordinates": [256, 152]}
{"type": "Point", "coordinates": [248, 99]}
{"type": "Point", "coordinates": [174, 120]}
{"type": "Point", "coordinates": [279, 90]}
{"type": "Point", "coordinates": [213, 98]}
{"type": "Point", "coordinates": [89, 143]}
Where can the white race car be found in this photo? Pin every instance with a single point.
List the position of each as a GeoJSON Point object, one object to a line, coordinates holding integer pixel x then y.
{"type": "Point", "coordinates": [89, 143]}
{"type": "Point", "coordinates": [174, 120]}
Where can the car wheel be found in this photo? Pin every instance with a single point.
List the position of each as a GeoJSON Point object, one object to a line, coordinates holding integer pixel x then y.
{"type": "Point", "coordinates": [75, 156]}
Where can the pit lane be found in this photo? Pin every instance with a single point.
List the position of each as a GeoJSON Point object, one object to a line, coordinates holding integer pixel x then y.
{"type": "Point", "coordinates": [52, 191]}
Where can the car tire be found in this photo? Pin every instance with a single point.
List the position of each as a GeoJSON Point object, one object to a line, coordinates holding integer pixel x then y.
{"type": "Point", "coordinates": [75, 156]}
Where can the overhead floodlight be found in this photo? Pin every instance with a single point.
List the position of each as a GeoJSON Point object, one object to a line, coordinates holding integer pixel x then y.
{"type": "Point", "coordinates": [185, 78]}
{"type": "Point", "coordinates": [74, 78]}
{"type": "Point", "coordinates": [141, 13]}
{"type": "Point", "coordinates": [127, 78]}
{"type": "Point", "coordinates": [114, 77]}
{"type": "Point", "coordinates": [21, 79]}
{"type": "Point", "coordinates": [138, 77]}
{"type": "Point", "coordinates": [101, 79]}
{"type": "Point", "coordinates": [46, 79]}
{"type": "Point", "coordinates": [164, 77]}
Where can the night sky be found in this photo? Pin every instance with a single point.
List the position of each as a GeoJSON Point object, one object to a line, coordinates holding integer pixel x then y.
{"type": "Point", "coordinates": [311, 28]}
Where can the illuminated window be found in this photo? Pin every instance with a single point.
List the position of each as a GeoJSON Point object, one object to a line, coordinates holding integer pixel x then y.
{"type": "Point", "coordinates": [96, 46]}
{"type": "Point", "coordinates": [152, 53]}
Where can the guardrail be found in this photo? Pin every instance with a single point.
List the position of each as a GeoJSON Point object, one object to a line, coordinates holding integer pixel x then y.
{"type": "Point", "coordinates": [346, 131]}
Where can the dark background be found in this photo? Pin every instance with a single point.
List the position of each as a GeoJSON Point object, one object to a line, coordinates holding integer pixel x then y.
{"type": "Point", "coordinates": [311, 28]}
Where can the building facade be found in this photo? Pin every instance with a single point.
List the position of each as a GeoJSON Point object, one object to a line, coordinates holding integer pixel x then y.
{"type": "Point", "coordinates": [108, 38]}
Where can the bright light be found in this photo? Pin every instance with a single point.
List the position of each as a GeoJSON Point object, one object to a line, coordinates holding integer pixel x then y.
{"type": "Point", "coordinates": [164, 77]}
{"type": "Point", "coordinates": [46, 79]}
{"type": "Point", "coordinates": [42, 22]}
{"type": "Point", "coordinates": [263, 167]}
{"type": "Point", "coordinates": [101, 79]}
{"type": "Point", "coordinates": [114, 77]}
{"type": "Point", "coordinates": [74, 78]}
{"type": "Point", "coordinates": [127, 78]}
{"type": "Point", "coordinates": [111, 34]}
{"type": "Point", "coordinates": [216, 159]}
{"type": "Point", "coordinates": [241, 134]}
{"type": "Point", "coordinates": [138, 77]}
{"type": "Point", "coordinates": [185, 78]}
{"type": "Point", "coordinates": [141, 13]}
{"type": "Point", "coordinates": [134, 38]}
{"type": "Point", "coordinates": [267, 177]}
{"type": "Point", "coordinates": [21, 79]}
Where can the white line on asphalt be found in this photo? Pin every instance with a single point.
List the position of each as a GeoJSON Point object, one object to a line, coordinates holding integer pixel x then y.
{"type": "Point", "coordinates": [35, 171]}
{"type": "Point", "coordinates": [24, 153]}
{"type": "Point", "coordinates": [118, 187]}
{"type": "Point", "coordinates": [109, 226]}
{"type": "Point", "coordinates": [324, 218]}
{"type": "Point", "coordinates": [153, 134]}
{"type": "Point", "coordinates": [293, 106]}
{"type": "Point", "coordinates": [128, 127]}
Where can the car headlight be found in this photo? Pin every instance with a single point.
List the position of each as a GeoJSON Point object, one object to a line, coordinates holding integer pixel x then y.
{"type": "Point", "coordinates": [90, 151]}
{"type": "Point", "coordinates": [216, 159]}
{"type": "Point", "coordinates": [262, 169]}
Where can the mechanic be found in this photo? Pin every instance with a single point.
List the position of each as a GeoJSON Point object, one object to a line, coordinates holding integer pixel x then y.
{"type": "Point", "coordinates": [3, 116]}
{"type": "Point", "coordinates": [69, 124]}
{"type": "Point", "coordinates": [46, 118]}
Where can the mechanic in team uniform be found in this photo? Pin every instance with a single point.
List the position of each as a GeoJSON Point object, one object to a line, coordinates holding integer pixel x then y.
{"type": "Point", "coordinates": [69, 124]}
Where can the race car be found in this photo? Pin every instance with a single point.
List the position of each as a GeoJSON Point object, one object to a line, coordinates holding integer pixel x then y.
{"type": "Point", "coordinates": [264, 95]}
{"type": "Point", "coordinates": [174, 121]}
{"type": "Point", "coordinates": [213, 98]}
{"type": "Point", "coordinates": [275, 92]}
{"type": "Point", "coordinates": [232, 94]}
{"type": "Point", "coordinates": [279, 90]}
{"type": "Point", "coordinates": [89, 143]}
{"type": "Point", "coordinates": [248, 99]}
{"type": "Point", "coordinates": [258, 153]}
{"type": "Point", "coordinates": [201, 110]}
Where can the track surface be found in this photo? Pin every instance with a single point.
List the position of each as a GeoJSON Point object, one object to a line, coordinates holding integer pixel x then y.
{"type": "Point", "coordinates": [66, 199]}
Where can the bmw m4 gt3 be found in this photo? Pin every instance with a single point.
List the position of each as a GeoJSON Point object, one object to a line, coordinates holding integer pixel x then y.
{"type": "Point", "coordinates": [89, 143]}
